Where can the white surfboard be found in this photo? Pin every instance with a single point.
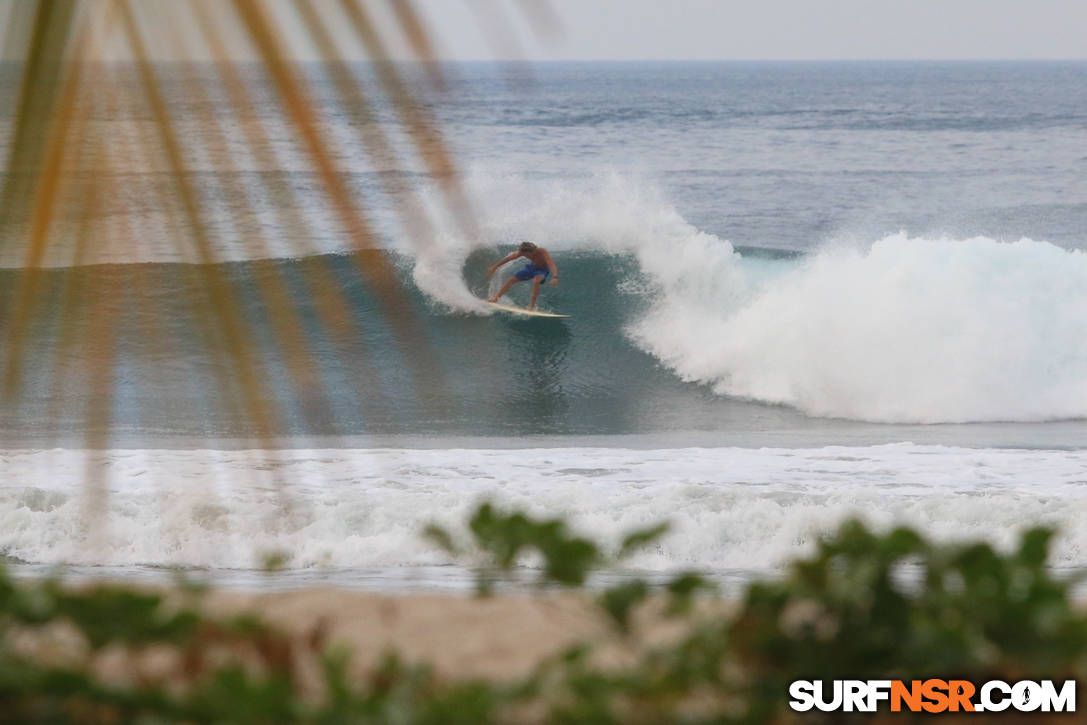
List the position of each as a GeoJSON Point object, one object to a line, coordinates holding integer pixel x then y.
{"type": "Point", "coordinates": [523, 311]}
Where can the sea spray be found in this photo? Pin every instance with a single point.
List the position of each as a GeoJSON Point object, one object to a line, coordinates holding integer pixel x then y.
{"type": "Point", "coordinates": [606, 213]}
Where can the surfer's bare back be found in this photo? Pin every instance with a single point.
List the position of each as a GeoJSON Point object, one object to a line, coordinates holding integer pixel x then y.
{"type": "Point", "coordinates": [540, 266]}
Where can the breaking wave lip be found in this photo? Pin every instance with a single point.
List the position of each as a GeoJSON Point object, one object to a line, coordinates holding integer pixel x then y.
{"type": "Point", "coordinates": [900, 330]}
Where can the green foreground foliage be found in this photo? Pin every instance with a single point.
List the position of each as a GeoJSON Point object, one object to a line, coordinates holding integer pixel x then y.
{"type": "Point", "coordinates": [865, 605]}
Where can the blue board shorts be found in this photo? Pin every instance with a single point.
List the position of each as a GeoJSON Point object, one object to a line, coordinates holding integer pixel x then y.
{"type": "Point", "coordinates": [529, 271]}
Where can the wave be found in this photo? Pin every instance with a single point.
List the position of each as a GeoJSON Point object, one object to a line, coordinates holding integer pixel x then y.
{"type": "Point", "coordinates": [901, 330]}
{"type": "Point", "coordinates": [672, 329]}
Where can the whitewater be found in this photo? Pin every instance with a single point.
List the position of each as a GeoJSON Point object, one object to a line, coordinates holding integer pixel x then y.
{"type": "Point", "coordinates": [733, 511]}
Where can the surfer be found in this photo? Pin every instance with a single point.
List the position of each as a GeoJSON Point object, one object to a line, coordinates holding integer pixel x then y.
{"type": "Point", "coordinates": [540, 266]}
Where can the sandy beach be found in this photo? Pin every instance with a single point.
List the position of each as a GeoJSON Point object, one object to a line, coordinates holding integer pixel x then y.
{"type": "Point", "coordinates": [502, 637]}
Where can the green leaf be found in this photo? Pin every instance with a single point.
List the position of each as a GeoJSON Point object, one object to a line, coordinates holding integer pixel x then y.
{"type": "Point", "coordinates": [642, 537]}
{"type": "Point", "coordinates": [618, 601]}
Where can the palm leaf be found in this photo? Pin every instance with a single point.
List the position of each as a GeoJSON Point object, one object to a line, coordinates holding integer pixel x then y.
{"type": "Point", "coordinates": [96, 141]}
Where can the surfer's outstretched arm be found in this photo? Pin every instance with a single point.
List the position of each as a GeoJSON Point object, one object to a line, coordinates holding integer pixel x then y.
{"type": "Point", "coordinates": [508, 258]}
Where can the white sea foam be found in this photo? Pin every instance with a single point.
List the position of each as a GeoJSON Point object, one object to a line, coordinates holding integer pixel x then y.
{"type": "Point", "coordinates": [908, 330]}
{"type": "Point", "coordinates": [731, 508]}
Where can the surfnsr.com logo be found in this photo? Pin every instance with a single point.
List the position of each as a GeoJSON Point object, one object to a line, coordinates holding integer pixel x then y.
{"type": "Point", "coordinates": [932, 696]}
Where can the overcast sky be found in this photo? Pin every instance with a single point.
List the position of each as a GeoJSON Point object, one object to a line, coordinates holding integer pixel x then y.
{"type": "Point", "coordinates": [783, 29]}
{"type": "Point", "coordinates": [661, 29]}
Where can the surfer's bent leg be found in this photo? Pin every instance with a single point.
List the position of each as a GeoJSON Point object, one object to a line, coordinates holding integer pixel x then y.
{"type": "Point", "coordinates": [505, 288]}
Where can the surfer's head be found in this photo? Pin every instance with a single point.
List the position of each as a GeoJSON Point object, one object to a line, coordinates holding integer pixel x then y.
{"type": "Point", "coordinates": [526, 247]}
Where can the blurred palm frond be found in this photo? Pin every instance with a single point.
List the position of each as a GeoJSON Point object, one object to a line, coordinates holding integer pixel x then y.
{"type": "Point", "coordinates": [190, 134]}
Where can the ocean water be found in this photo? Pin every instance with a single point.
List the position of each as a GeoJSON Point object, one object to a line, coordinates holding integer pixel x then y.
{"type": "Point", "coordinates": [799, 292]}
